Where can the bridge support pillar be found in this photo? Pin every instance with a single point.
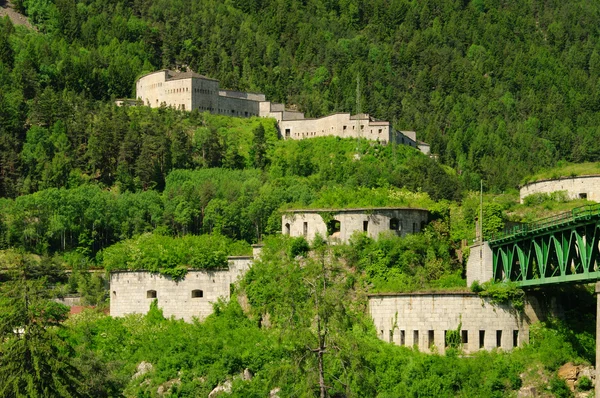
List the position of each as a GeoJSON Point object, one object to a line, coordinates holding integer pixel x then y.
{"type": "Point", "coordinates": [480, 263]}
{"type": "Point", "coordinates": [597, 390]}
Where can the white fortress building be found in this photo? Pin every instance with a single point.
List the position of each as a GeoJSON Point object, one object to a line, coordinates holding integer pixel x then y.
{"type": "Point", "coordinates": [191, 91]}
{"type": "Point", "coordinates": [340, 224]}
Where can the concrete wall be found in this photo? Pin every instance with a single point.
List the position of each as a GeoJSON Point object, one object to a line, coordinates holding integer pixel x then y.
{"type": "Point", "coordinates": [575, 187]}
{"type": "Point", "coordinates": [479, 264]}
{"type": "Point", "coordinates": [309, 223]}
{"type": "Point", "coordinates": [129, 290]}
{"type": "Point", "coordinates": [399, 318]}
{"type": "Point", "coordinates": [336, 125]}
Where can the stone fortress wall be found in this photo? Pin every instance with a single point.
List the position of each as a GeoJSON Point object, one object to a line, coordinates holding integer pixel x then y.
{"type": "Point", "coordinates": [423, 319]}
{"type": "Point", "coordinates": [192, 91]}
{"type": "Point", "coordinates": [582, 187]}
{"type": "Point", "coordinates": [131, 292]}
{"type": "Point", "coordinates": [373, 221]}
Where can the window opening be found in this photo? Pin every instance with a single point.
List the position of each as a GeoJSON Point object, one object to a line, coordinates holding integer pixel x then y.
{"type": "Point", "coordinates": [416, 337]}
{"type": "Point", "coordinates": [305, 229]}
{"type": "Point", "coordinates": [287, 133]}
{"type": "Point", "coordinates": [197, 293]}
{"type": "Point", "coordinates": [481, 338]}
{"type": "Point", "coordinates": [583, 195]}
{"type": "Point", "coordinates": [365, 226]}
{"type": "Point", "coordinates": [391, 335]}
{"type": "Point", "coordinates": [431, 338]}
{"type": "Point", "coordinates": [498, 338]}
{"type": "Point", "coordinates": [394, 224]}
{"type": "Point", "coordinates": [151, 294]}
{"type": "Point", "coordinates": [464, 337]}
{"type": "Point", "coordinates": [287, 228]}
{"type": "Point", "coordinates": [402, 338]}
{"type": "Point", "coordinates": [515, 338]}
{"type": "Point", "coordinates": [334, 227]}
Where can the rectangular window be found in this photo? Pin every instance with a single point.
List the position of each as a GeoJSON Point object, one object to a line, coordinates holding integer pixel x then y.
{"type": "Point", "coordinates": [515, 338]}
{"type": "Point", "coordinates": [305, 229]}
{"type": "Point", "coordinates": [402, 338]}
{"type": "Point", "coordinates": [431, 338]}
{"type": "Point", "coordinates": [583, 195]}
{"type": "Point", "coordinates": [344, 128]}
{"type": "Point", "coordinates": [416, 337]}
{"type": "Point", "coordinates": [498, 338]}
{"type": "Point", "coordinates": [391, 335]}
{"type": "Point", "coordinates": [464, 338]}
{"type": "Point", "coordinates": [362, 127]}
{"type": "Point", "coordinates": [287, 133]}
{"type": "Point", "coordinates": [365, 226]}
{"type": "Point", "coordinates": [481, 338]}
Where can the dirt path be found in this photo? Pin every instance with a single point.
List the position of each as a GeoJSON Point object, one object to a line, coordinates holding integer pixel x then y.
{"type": "Point", "coordinates": [6, 8]}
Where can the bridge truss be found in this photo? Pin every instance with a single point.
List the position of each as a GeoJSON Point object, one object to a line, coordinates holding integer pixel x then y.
{"type": "Point", "coordinates": [558, 249]}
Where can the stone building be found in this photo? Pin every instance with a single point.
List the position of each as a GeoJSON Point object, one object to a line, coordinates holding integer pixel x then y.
{"type": "Point", "coordinates": [422, 320]}
{"type": "Point", "coordinates": [340, 224]}
{"type": "Point", "coordinates": [582, 187]}
{"type": "Point", "coordinates": [131, 292]}
{"type": "Point", "coordinates": [192, 91]}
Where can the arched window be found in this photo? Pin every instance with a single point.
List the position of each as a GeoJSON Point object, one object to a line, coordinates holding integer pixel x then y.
{"type": "Point", "coordinates": [334, 227]}
{"type": "Point", "coordinates": [287, 228]}
{"type": "Point", "coordinates": [151, 294]}
{"type": "Point", "coordinates": [197, 293]}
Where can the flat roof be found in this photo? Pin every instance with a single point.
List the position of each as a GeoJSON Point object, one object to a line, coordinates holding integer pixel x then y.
{"type": "Point", "coordinates": [425, 293]}
{"type": "Point", "coordinates": [173, 75]}
{"type": "Point", "coordinates": [349, 210]}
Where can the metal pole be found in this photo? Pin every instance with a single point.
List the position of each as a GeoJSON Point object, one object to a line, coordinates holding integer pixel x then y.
{"type": "Point", "coordinates": [597, 389]}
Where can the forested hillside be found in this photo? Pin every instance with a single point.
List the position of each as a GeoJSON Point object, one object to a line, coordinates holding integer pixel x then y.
{"type": "Point", "coordinates": [499, 88]}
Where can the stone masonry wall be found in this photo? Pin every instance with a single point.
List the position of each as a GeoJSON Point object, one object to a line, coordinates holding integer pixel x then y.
{"type": "Point", "coordinates": [479, 264]}
{"type": "Point", "coordinates": [422, 319]}
{"type": "Point", "coordinates": [131, 291]}
{"type": "Point", "coordinates": [308, 223]}
{"type": "Point", "coordinates": [576, 187]}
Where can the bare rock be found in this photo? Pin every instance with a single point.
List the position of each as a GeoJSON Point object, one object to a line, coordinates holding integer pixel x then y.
{"type": "Point", "coordinates": [143, 368]}
{"type": "Point", "coordinates": [527, 392]}
{"type": "Point", "coordinates": [166, 386]}
{"type": "Point", "coordinates": [247, 375]}
{"type": "Point", "coordinates": [568, 371]}
{"type": "Point", "coordinates": [589, 372]}
{"type": "Point", "coordinates": [274, 393]}
{"type": "Point", "coordinates": [225, 387]}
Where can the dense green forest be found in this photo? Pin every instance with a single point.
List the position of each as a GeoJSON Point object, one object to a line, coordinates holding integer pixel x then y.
{"type": "Point", "coordinates": [501, 89]}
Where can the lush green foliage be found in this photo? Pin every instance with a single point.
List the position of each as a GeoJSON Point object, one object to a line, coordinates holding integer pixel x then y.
{"type": "Point", "coordinates": [171, 256]}
{"type": "Point", "coordinates": [501, 293]}
{"type": "Point", "coordinates": [490, 105]}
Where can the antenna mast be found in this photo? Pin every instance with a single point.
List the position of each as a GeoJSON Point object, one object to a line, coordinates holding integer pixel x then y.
{"type": "Point", "coordinates": [358, 133]}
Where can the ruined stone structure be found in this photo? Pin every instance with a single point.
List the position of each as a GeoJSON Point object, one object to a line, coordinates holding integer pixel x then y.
{"type": "Point", "coordinates": [131, 292]}
{"type": "Point", "coordinates": [582, 187]}
{"type": "Point", "coordinates": [340, 224]}
{"type": "Point", "coordinates": [192, 91]}
{"type": "Point", "coordinates": [422, 320]}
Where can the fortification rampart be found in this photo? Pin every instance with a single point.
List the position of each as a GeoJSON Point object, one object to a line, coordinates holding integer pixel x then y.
{"type": "Point", "coordinates": [131, 292]}
{"type": "Point", "coordinates": [582, 187]}
{"type": "Point", "coordinates": [422, 320]}
{"type": "Point", "coordinates": [344, 222]}
{"type": "Point", "coordinates": [191, 91]}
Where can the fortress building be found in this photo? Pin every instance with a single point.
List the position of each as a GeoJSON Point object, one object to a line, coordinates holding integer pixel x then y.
{"type": "Point", "coordinates": [340, 224]}
{"type": "Point", "coordinates": [192, 91]}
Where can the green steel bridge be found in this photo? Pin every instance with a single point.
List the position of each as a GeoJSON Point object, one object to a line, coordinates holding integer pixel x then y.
{"type": "Point", "coordinates": [558, 249]}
